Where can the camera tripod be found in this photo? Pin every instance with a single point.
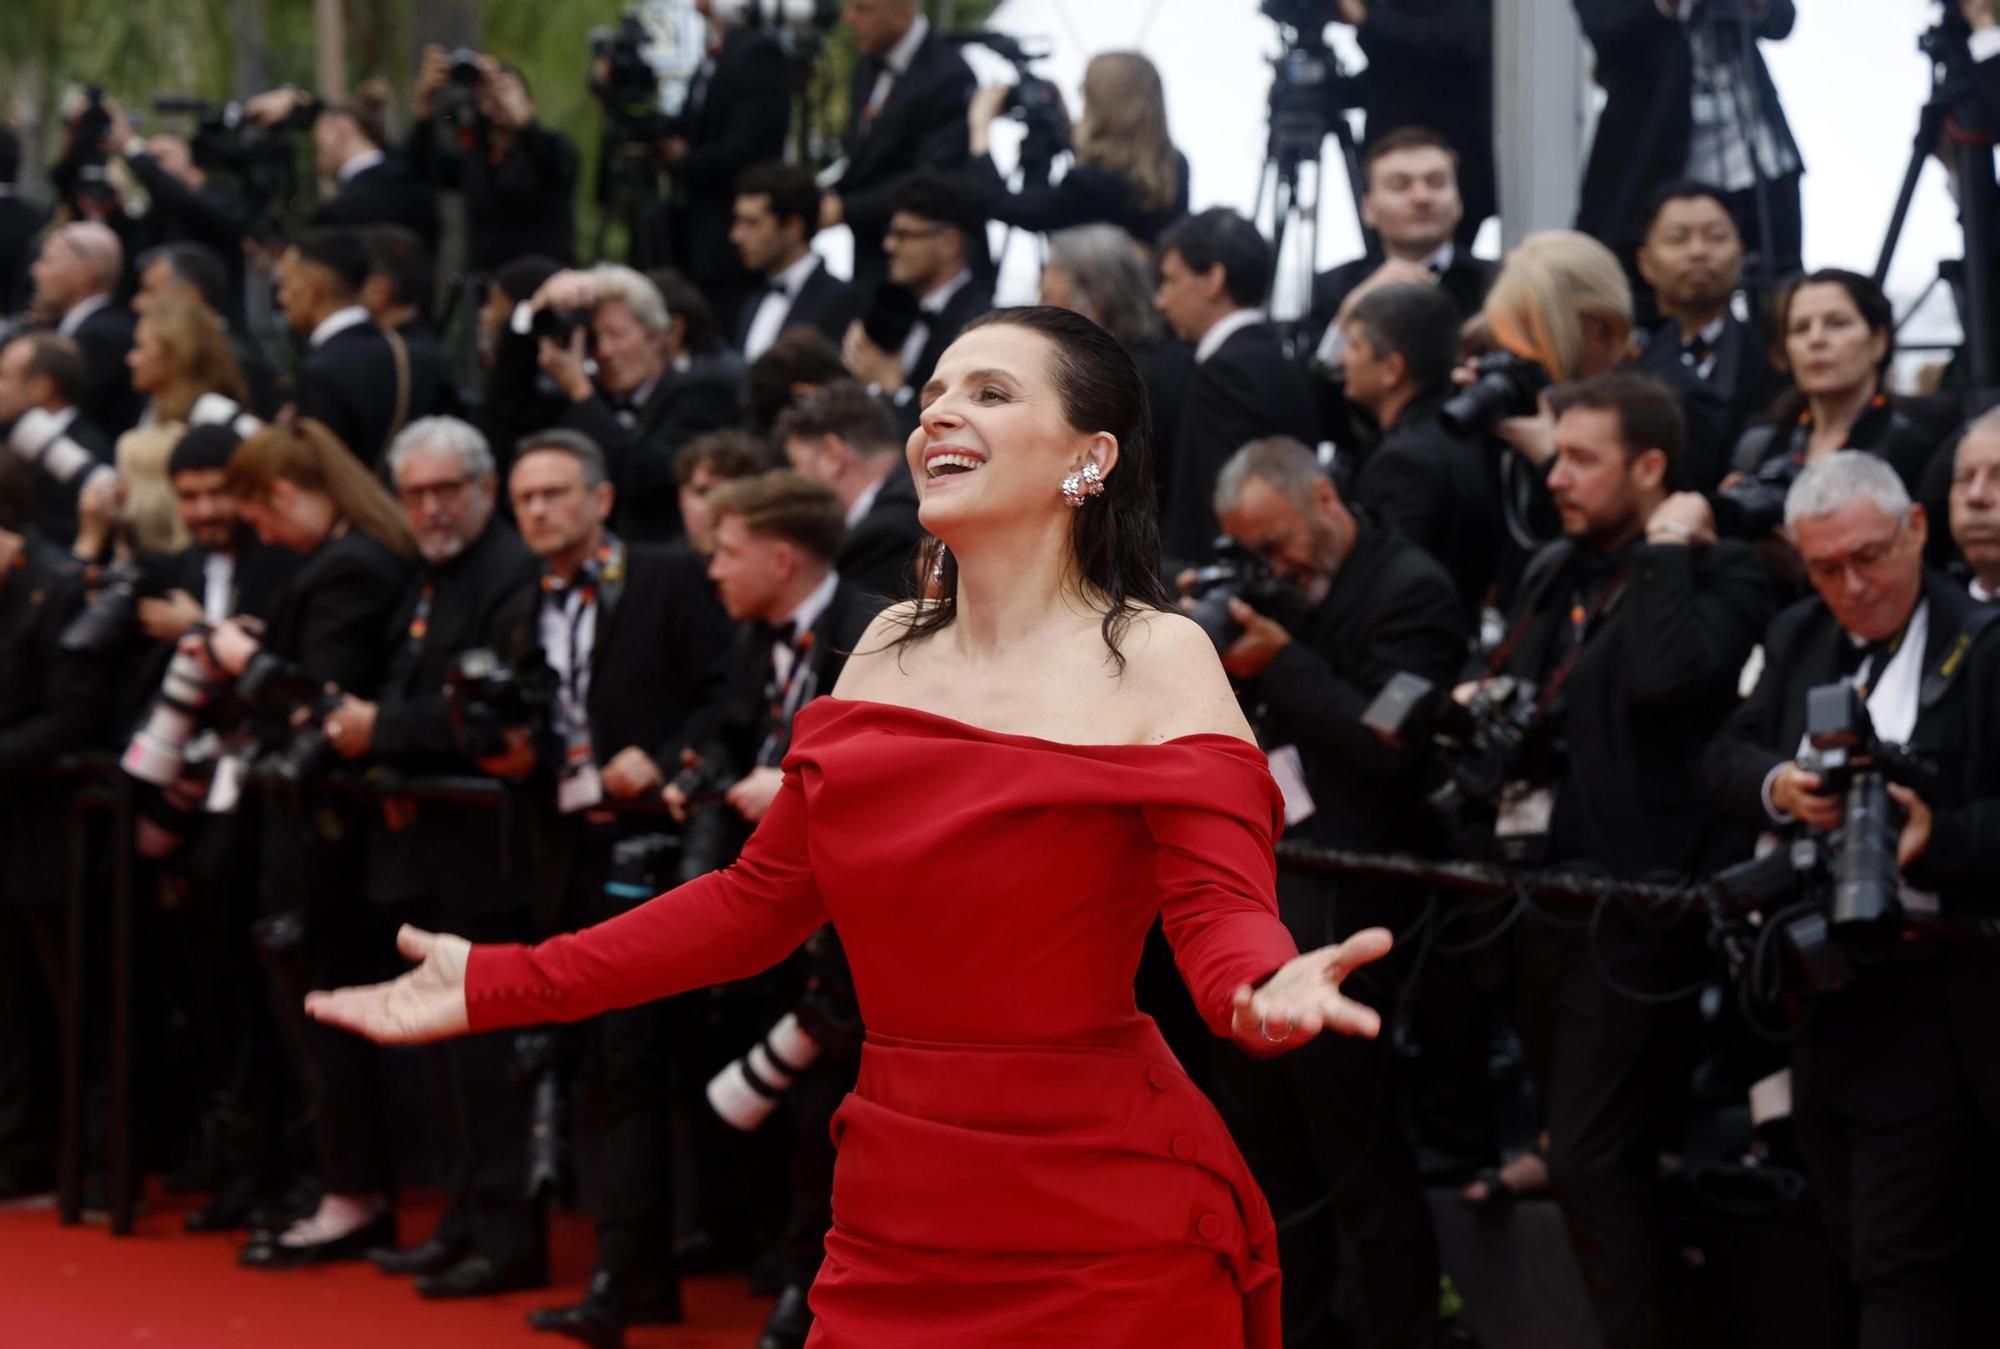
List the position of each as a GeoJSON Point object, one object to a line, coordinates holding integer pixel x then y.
{"type": "Point", "coordinates": [1946, 119]}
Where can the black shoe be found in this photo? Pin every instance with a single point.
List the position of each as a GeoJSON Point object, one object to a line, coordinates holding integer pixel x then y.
{"type": "Point", "coordinates": [267, 1251]}
{"type": "Point", "coordinates": [789, 1323]}
{"type": "Point", "coordinates": [600, 1319]}
{"type": "Point", "coordinates": [478, 1276]}
{"type": "Point", "coordinates": [426, 1257]}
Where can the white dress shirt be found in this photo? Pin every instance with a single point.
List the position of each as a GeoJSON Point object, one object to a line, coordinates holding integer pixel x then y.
{"type": "Point", "coordinates": [769, 320]}
{"type": "Point", "coordinates": [1223, 329]}
{"type": "Point", "coordinates": [339, 321]}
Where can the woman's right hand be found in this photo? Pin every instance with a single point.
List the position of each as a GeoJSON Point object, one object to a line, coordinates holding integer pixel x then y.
{"type": "Point", "coordinates": [425, 1004]}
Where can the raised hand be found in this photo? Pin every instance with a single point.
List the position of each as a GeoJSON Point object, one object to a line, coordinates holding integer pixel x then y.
{"type": "Point", "coordinates": [427, 1003]}
{"type": "Point", "coordinates": [1303, 998]}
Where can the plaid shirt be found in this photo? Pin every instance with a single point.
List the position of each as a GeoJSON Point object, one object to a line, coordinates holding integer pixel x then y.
{"type": "Point", "coordinates": [1720, 138]}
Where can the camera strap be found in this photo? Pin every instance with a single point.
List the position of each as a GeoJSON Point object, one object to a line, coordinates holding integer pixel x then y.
{"type": "Point", "coordinates": [1937, 682]}
{"type": "Point", "coordinates": [1582, 622]}
{"type": "Point", "coordinates": [401, 354]}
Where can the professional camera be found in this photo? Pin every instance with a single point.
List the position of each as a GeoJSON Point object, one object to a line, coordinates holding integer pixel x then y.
{"type": "Point", "coordinates": [1506, 386]}
{"type": "Point", "coordinates": [485, 697]}
{"type": "Point", "coordinates": [281, 695]}
{"type": "Point", "coordinates": [1867, 907]}
{"type": "Point", "coordinates": [711, 834]}
{"type": "Point", "coordinates": [262, 159]}
{"type": "Point", "coordinates": [1499, 736]}
{"type": "Point", "coordinates": [826, 1018]}
{"type": "Point", "coordinates": [819, 15]}
{"type": "Point", "coordinates": [1239, 574]}
{"type": "Point", "coordinates": [83, 173]}
{"type": "Point", "coordinates": [1033, 101]}
{"type": "Point", "coordinates": [159, 748]}
{"type": "Point", "coordinates": [558, 325]}
{"type": "Point", "coordinates": [542, 1063]}
{"type": "Point", "coordinates": [629, 86]}
{"type": "Point", "coordinates": [639, 867]}
{"type": "Point", "coordinates": [110, 617]}
{"type": "Point", "coordinates": [1755, 507]}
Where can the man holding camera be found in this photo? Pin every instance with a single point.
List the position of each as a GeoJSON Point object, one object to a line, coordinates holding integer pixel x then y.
{"type": "Point", "coordinates": [1352, 603]}
{"type": "Point", "coordinates": [1628, 635]}
{"type": "Point", "coordinates": [43, 380]}
{"type": "Point", "coordinates": [632, 385]}
{"type": "Point", "coordinates": [456, 868]}
{"type": "Point", "coordinates": [518, 177]}
{"type": "Point", "coordinates": [629, 632]}
{"type": "Point", "coordinates": [1892, 1073]}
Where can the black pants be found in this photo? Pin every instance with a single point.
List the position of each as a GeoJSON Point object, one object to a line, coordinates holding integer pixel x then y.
{"type": "Point", "coordinates": [1613, 1074]}
{"type": "Point", "coordinates": [1896, 1093]}
{"type": "Point", "coordinates": [32, 948]}
{"type": "Point", "coordinates": [1320, 1129]}
{"type": "Point", "coordinates": [813, 1099]}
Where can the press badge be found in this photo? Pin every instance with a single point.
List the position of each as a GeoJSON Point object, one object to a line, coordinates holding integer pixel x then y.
{"type": "Point", "coordinates": [580, 787]}
{"type": "Point", "coordinates": [1525, 811]}
{"type": "Point", "coordinates": [1289, 771]}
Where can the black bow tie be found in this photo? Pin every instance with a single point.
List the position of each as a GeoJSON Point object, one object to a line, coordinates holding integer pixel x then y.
{"type": "Point", "coordinates": [1697, 349]}
{"type": "Point", "coordinates": [779, 288]}
{"type": "Point", "coordinates": [777, 634]}
{"type": "Point", "coordinates": [1434, 267]}
{"type": "Point", "coordinates": [1852, 656]}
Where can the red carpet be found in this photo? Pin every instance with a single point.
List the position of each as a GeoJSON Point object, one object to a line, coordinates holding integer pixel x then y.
{"type": "Point", "coordinates": [81, 1288]}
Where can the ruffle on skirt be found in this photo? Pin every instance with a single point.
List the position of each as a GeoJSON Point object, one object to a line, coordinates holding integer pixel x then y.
{"type": "Point", "coordinates": [1044, 1195]}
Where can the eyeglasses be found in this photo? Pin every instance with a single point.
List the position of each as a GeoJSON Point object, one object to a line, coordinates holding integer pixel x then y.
{"type": "Point", "coordinates": [901, 233]}
{"type": "Point", "coordinates": [1862, 561]}
{"type": "Point", "coordinates": [445, 492]}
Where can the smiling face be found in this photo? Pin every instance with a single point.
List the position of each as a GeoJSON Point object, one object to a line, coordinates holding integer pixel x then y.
{"type": "Point", "coordinates": [994, 441]}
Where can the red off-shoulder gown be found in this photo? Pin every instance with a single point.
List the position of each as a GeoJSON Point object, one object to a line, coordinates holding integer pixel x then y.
{"type": "Point", "coordinates": [1022, 1161]}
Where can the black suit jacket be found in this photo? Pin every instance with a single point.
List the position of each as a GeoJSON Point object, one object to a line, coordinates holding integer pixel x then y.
{"type": "Point", "coordinates": [1742, 379]}
{"type": "Point", "coordinates": [1245, 390]}
{"type": "Point", "coordinates": [384, 194]}
{"type": "Point", "coordinates": [1958, 720]}
{"type": "Point", "coordinates": [1466, 281]}
{"type": "Point", "coordinates": [655, 661]}
{"type": "Point", "coordinates": [1643, 64]}
{"type": "Point", "coordinates": [21, 222]}
{"type": "Point", "coordinates": [738, 119]}
{"type": "Point", "coordinates": [1444, 494]}
{"type": "Point", "coordinates": [349, 382]}
{"type": "Point", "coordinates": [106, 338]}
{"type": "Point", "coordinates": [524, 204]}
{"type": "Point", "coordinates": [941, 329]}
{"type": "Point", "coordinates": [1391, 608]}
{"type": "Point", "coordinates": [1655, 681]}
{"type": "Point", "coordinates": [1430, 64]}
{"type": "Point", "coordinates": [707, 395]}
{"type": "Point", "coordinates": [1165, 366]}
{"type": "Point", "coordinates": [1085, 195]}
{"type": "Point", "coordinates": [824, 302]}
{"type": "Point", "coordinates": [459, 856]}
{"type": "Point", "coordinates": [921, 124]}
{"type": "Point", "coordinates": [52, 703]}
{"type": "Point", "coordinates": [879, 554]}
{"type": "Point", "coordinates": [330, 620]}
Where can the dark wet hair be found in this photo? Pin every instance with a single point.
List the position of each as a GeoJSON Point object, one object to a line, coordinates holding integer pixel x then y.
{"type": "Point", "coordinates": [1115, 537]}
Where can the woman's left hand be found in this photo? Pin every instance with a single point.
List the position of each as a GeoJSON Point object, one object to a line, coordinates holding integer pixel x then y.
{"type": "Point", "coordinates": [1303, 998]}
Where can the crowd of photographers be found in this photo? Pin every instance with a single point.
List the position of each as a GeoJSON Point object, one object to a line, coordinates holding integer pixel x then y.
{"type": "Point", "coordinates": [1603, 560]}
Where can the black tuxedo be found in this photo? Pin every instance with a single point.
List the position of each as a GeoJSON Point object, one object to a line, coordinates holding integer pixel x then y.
{"type": "Point", "coordinates": [1444, 493]}
{"type": "Point", "coordinates": [386, 193]}
{"type": "Point", "coordinates": [1430, 64]}
{"type": "Point", "coordinates": [258, 579]}
{"type": "Point", "coordinates": [524, 204]}
{"type": "Point", "coordinates": [705, 396]}
{"type": "Point", "coordinates": [1892, 1074]}
{"type": "Point", "coordinates": [1245, 390]}
{"type": "Point", "coordinates": [1466, 281]}
{"type": "Point", "coordinates": [736, 117]}
{"type": "Point", "coordinates": [1645, 68]}
{"type": "Point", "coordinates": [824, 302]}
{"type": "Point", "coordinates": [106, 338]}
{"type": "Point", "coordinates": [921, 124]}
{"type": "Point", "coordinates": [1165, 367]}
{"type": "Point", "coordinates": [878, 556]}
{"type": "Point", "coordinates": [1087, 194]}
{"type": "Point", "coordinates": [1668, 629]}
{"type": "Point", "coordinates": [1311, 1124]}
{"type": "Point", "coordinates": [350, 382]}
{"type": "Point", "coordinates": [1742, 380]}
{"type": "Point", "coordinates": [941, 329]}
{"type": "Point", "coordinates": [21, 222]}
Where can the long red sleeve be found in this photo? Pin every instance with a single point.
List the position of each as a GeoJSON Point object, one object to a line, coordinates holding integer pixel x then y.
{"type": "Point", "coordinates": [727, 925]}
{"type": "Point", "coordinates": [1218, 903]}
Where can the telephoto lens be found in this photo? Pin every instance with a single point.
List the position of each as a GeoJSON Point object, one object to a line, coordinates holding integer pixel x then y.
{"type": "Point", "coordinates": [159, 747]}
{"type": "Point", "coordinates": [746, 1092]}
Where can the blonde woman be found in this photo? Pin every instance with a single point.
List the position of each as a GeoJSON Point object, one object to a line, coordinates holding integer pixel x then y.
{"type": "Point", "coordinates": [1126, 170]}
{"type": "Point", "coordinates": [180, 353]}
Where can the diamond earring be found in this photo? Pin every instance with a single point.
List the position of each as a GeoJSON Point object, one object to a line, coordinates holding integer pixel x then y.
{"type": "Point", "coordinates": [1083, 484]}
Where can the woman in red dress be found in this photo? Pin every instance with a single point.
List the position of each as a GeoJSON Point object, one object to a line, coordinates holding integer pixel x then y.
{"type": "Point", "coordinates": [1010, 781]}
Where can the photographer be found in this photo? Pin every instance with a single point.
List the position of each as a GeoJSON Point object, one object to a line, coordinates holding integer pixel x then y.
{"type": "Point", "coordinates": [633, 386]}
{"type": "Point", "coordinates": [1630, 631]}
{"type": "Point", "coordinates": [518, 177]}
{"type": "Point", "coordinates": [1352, 604]}
{"type": "Point", "coordinates": [736, 114]}
{"type": "Point", "coordinates": [43, 378]}
{"type": "Point", "coordinates": [52, 702]}
{"type": "Point", "coordinates": [905, 111]}
{"type": "Point", "coordinates": [777, 214]}
{"type": "Point", "coordinates": [371, 185]}
{"type": "Point", "coordinates": [185, 205]}
{"type": "Point", "coordinates": [841, 437]}
{"type": "Point", "coordinates": [1125, 170]}
{"type": "Point", "coordinates": [1893, 1073]}
{"type": "Point", "coordinates": [1214, 271]}
{"type": "Point", "coordinates": [77, 275]}
{"type": "Point", "coordinates": [629, 632]}
{"type": "Point", "coordinates": [21, 221]}
{"type": "Point", "coordinates": [1683, 100]}
{"type": "Point", "coordinates": [434, 864]}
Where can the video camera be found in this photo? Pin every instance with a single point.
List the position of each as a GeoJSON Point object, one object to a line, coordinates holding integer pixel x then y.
{"type": "Point", "coordinates": [1240, 574]}
{"type": "Point", "coordinates": [629, 85]}
{"type": "Point", "coordinates": [1498, 736]}
{"type": "Point", "coordinates": [1505, 386]}
{"type": "Point", "coordinates": [486, 697]}
{"type": "Point", "coordinates": [1033, 101]}
{"type": "Point", "coordinates": [262, 159]}
{"type": "Point", "coordinates": [1754, 508]}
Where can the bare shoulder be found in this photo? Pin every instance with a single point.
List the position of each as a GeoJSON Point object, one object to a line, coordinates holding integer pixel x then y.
{"type": "Point", "coordinates": [877, 650]}
{"type": "Point", "coordinates": [1175, 679]}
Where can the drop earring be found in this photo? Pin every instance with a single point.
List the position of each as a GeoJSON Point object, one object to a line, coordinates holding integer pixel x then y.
{"type": "Point", "coordinates": [1083, 484]}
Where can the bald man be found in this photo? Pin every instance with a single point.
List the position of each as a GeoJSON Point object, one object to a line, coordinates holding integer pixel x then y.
{"type": "Point", "coordinates": [76, 278]}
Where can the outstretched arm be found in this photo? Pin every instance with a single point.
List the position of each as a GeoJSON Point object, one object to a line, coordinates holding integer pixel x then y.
{"type": "Point", "coordinates": [727, 925]}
